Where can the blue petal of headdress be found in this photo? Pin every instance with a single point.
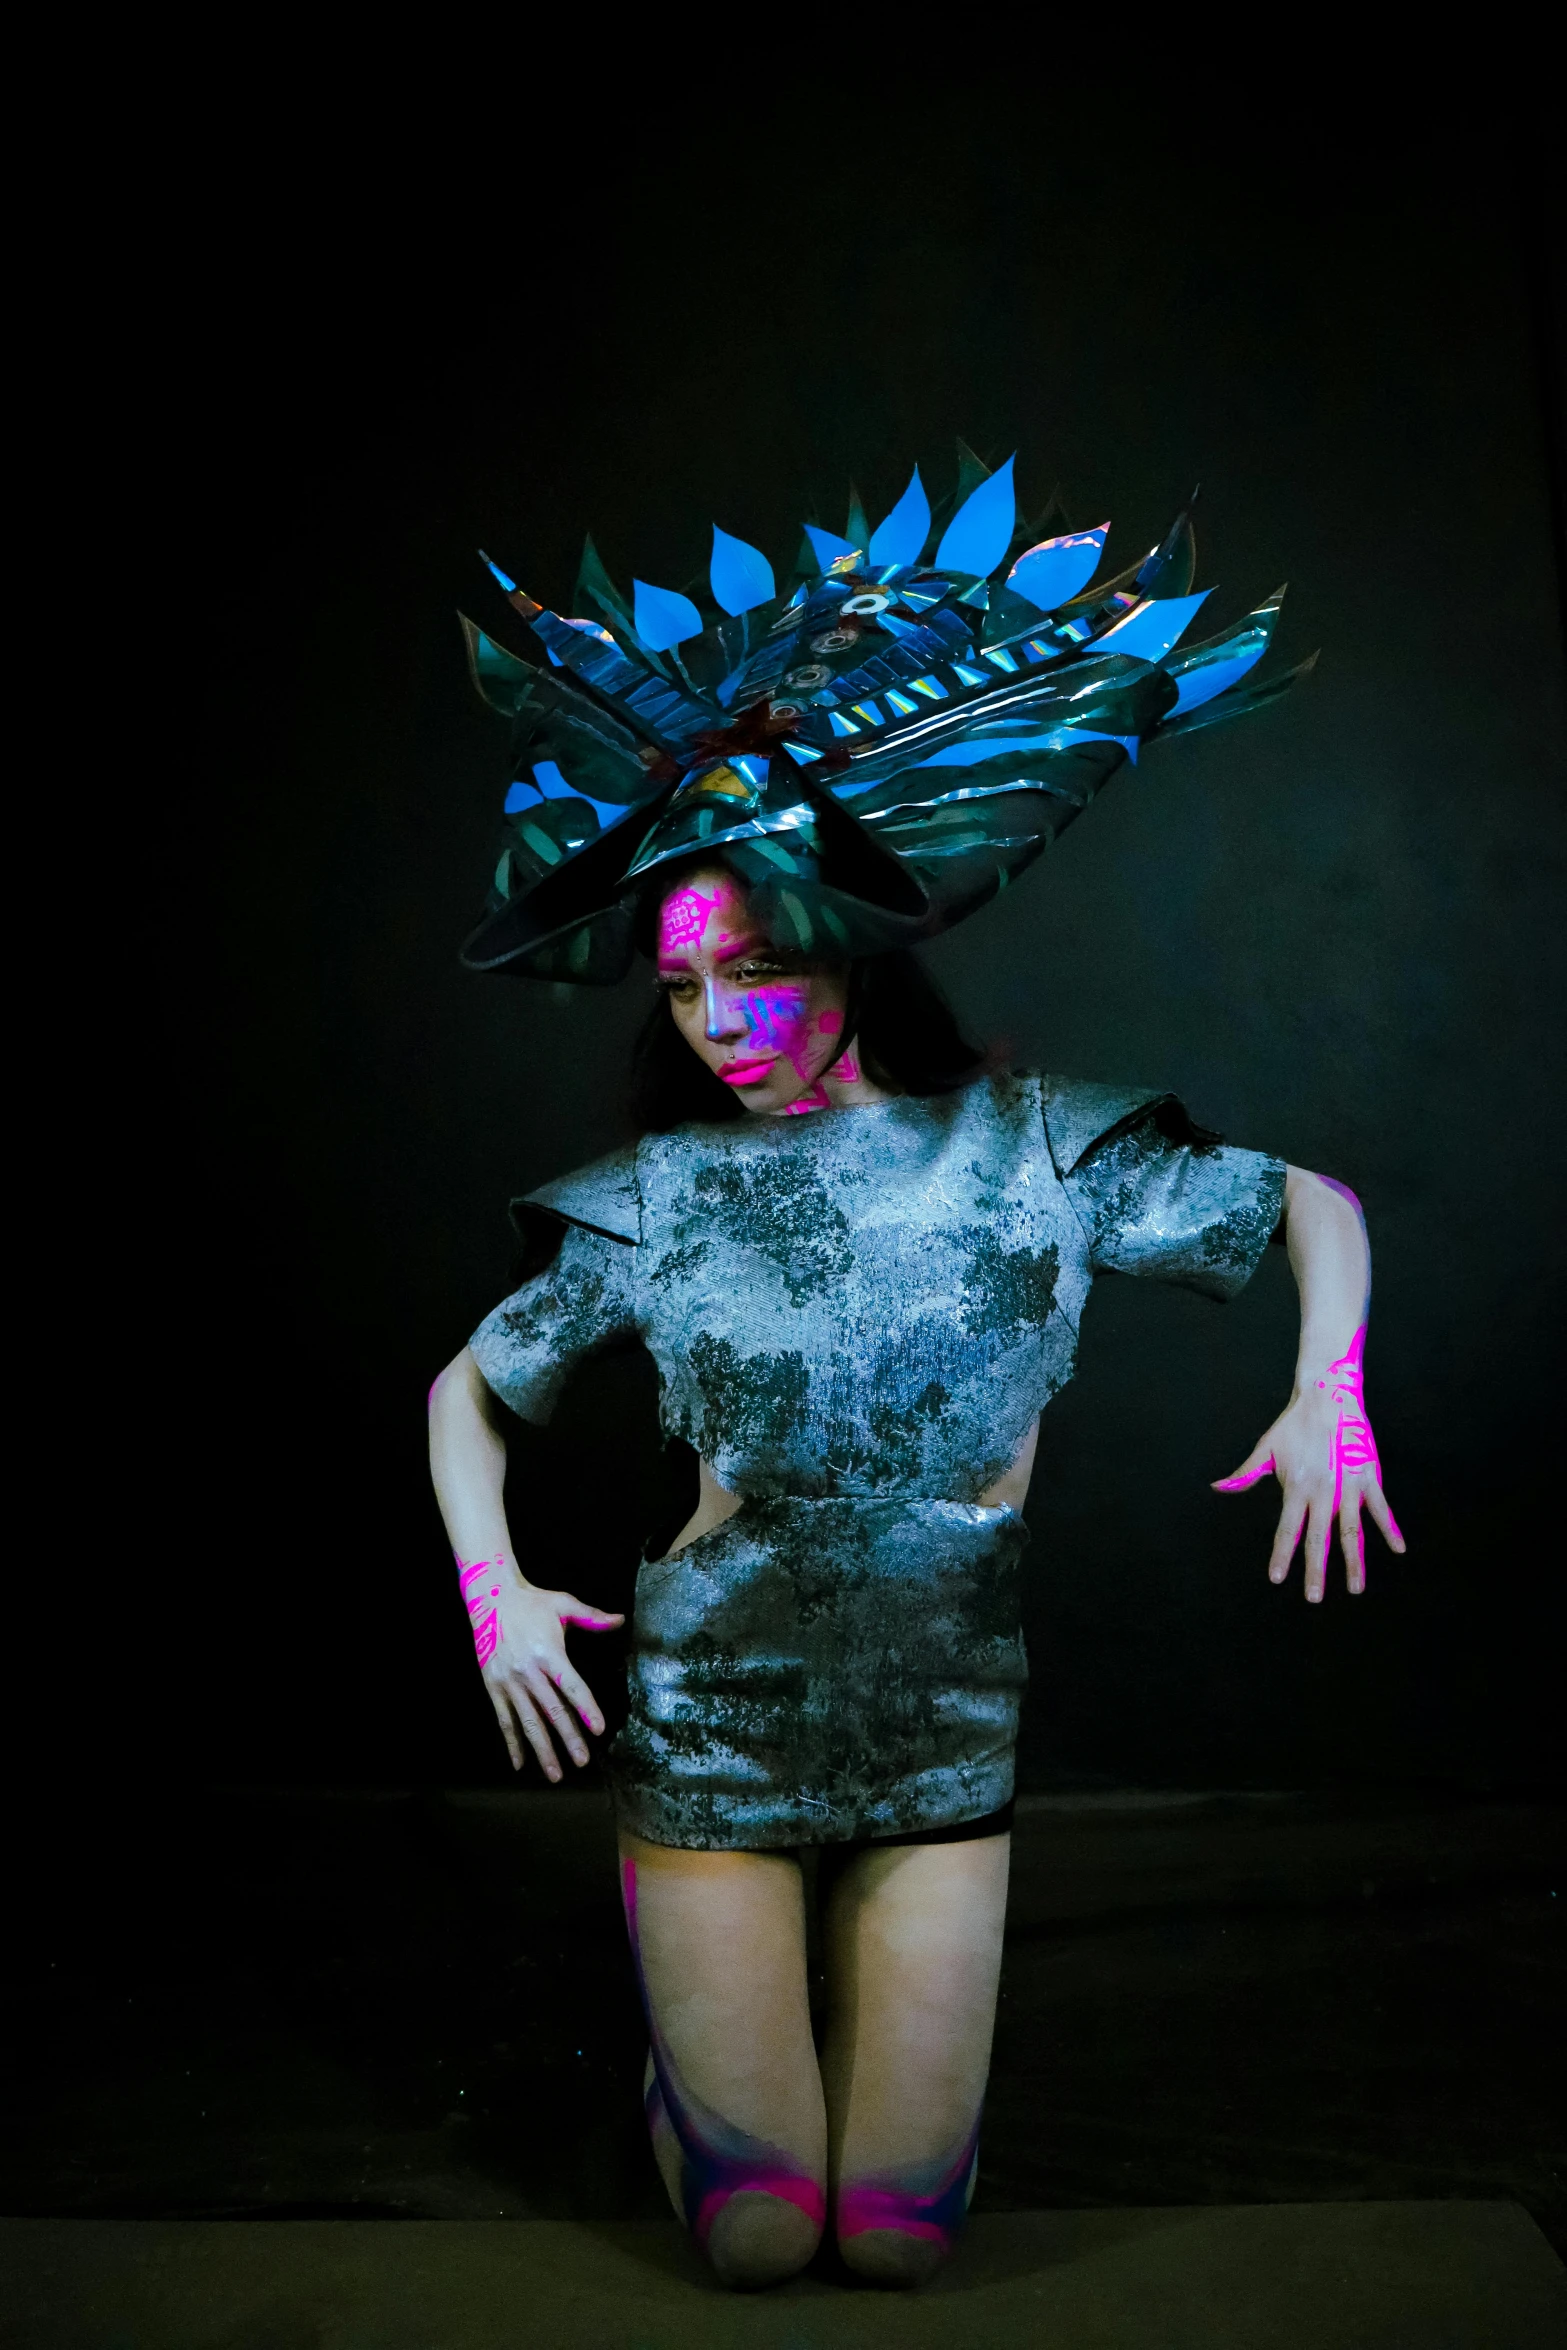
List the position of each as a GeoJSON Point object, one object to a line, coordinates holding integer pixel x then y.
{"type": "Point", "coordinates": [1052, 573]}
{"type": "Point", "coordinates": [662, 617]}
{"type": "Point", "coordinates": [1216, 678]}
{"type": "Point", "coordinates": [741, 574]}
{"type": "Point", "coordinates": [828, 546]}
{"type": "Point", "coordinates": [902, 536]}
{"type": "Point", "coordinates": [1151, 629]}
{"type": "Point", "coordinates": [549, 784]}
{"type": "Point", "coordinates": [980, 532]}
{"type": "Point", "coordinates": [1207, 670]}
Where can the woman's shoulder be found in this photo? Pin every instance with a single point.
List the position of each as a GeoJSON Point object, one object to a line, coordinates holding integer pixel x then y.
{"type": "Point", "coordinates": [1076, 1114]}
{"type": "Point", "coordinates": [604, 1196]}
{"type": "Point", "coordinates": [1081, 1113]}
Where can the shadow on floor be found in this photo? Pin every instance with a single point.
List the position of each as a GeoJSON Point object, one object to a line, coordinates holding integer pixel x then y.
{"type": "Point", "coordinates": [313, 2005]}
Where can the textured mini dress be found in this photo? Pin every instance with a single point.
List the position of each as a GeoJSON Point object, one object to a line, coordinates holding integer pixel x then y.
{"type": "Point", "coordinates": [855, 1317]}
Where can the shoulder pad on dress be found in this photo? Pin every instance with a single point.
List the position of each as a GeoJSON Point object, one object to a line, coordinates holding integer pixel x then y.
{"type": "Point", "coordinates": [1077, 1116]}
{"type": "Point", "coordinates": [603, 1198]}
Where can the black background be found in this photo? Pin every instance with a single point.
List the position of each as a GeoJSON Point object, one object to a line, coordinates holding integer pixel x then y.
{"type": "Point", "coordinates": [1334, 929]}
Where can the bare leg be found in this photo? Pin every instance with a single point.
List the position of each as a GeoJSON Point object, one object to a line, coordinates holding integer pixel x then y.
{"type": "Point", "coordinates": [913, 1944]}
{"type": "Point", "coordinates": [734, 2096]}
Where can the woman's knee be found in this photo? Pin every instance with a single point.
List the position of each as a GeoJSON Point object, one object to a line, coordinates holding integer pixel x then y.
{"type": "Point", "coordinates": [896, 2256]}
{"type": "Point", "coordinates": [757, 2238]}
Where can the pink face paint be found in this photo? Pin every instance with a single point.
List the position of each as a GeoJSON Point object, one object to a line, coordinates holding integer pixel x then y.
{"type": "Point", "coordinates": [814, 1098]}
{"type": "Point", "coordinates": [477, 1591]}
{"type": "Point", "coordinates": [717, 2160]}
{"type": "Point", "coordinates": [930, 2202]}
{"type": "Point", "coordinates": [683, 918]}
{"type": "Point", "coordinates": [691, 918]}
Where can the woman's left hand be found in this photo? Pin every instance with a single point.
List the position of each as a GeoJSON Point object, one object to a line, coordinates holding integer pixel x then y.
{"type": "Point", "coordinates": [1323, 1453]}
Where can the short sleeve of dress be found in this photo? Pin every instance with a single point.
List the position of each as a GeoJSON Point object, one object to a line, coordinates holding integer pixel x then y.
{"type": "Point", "coordinates": [581, 1303]}
{"type": "Point", "coordinates": [1157, 1195]}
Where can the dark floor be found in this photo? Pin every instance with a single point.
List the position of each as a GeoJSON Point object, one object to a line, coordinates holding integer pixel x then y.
{"type": "Point", "coordinates": [420, 2006]}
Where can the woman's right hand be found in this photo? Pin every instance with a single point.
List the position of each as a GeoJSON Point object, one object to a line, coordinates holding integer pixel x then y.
{"type": "Point", "coordinates": [519, 1635]}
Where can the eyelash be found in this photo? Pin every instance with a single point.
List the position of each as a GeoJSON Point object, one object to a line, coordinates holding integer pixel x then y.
{"type": "Point", "coordinates": [748, 972]}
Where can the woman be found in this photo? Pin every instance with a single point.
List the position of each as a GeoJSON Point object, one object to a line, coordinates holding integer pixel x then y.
{"type": "Point", "coordinates": [859, 1264]}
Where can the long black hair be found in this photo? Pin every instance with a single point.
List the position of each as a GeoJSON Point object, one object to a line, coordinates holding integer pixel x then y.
{"type": "Point", "coordinates": [906, 1033]}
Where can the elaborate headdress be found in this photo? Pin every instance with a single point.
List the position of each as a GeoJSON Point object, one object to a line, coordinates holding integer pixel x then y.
{"type": "Point", "coordinates": [875, 752]}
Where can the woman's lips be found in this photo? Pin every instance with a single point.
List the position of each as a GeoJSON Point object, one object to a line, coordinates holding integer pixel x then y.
{"type": "Point", "coordinates": [746, 1072]}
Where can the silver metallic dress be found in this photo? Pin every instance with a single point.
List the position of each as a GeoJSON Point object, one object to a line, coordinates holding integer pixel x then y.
{"type": "Point", "coordinates": [856, 1316]}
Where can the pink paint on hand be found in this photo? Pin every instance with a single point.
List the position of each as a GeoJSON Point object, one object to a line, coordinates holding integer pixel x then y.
{"type": "Point", "coordinates": [1354, 1446]}
{"type": "Point", "coordinates": [1244, 1479]}
{"type": "Point", "coordinates": [476, 1597]}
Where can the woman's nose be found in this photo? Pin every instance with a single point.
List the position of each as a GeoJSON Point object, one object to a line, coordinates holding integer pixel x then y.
{"type": "Point", "coordinates": [724, 1016]}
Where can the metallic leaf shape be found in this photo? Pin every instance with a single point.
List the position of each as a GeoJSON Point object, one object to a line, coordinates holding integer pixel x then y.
{"type": "Point", "coordinates": [741, 575]}
{"type": "Point", "coordinates": [1149, 630]}
{"type": "Point", "coordinates": [1058, 569]}
{"type": "Point", "coordinates": [663, 617]}
{"type": "Point", "coordinates": [980, 532]}
{"type": "Point", "coordinates": [902, 535]}
{"type": "Point", "coordinates": [1212, 668]}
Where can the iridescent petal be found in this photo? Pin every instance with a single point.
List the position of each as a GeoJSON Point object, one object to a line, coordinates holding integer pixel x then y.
{"type": "Point", "coordinates": [663, 617]}
{"type": "Point", "coordinates": [980, 532]}
{"type": "Point", "coordinates": [741, 575]}
{"type": "Point", "coordinates": [1149, 630]}
{"type": "Point", "coordinates": [902, 536]}
{"type": "Point", "coordinates": [1212, 668]}
{"type": "Point", "coordinates": [1057, 569]}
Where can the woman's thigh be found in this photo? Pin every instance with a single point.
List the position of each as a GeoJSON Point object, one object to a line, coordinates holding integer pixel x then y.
{"type": "Point", "coordinates": [913, 1944]}
{"type": "Point", "coordinates": [737, 2109]}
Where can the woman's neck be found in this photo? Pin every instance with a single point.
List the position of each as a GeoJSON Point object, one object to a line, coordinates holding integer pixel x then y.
{"type": "Point", "coordinates": [844, 1086]}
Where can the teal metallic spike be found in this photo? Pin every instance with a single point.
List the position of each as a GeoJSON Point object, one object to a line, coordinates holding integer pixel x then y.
{"type": "Point", "coordinates": [499, 677]}
{"type": "Point", "coordinates": [1171, 567]}
{"type": "Point", "coordinates": [595, 586]}
{"type": "Point", "coordinates": [1207, 670]}
{"type": "Point", "coordinates": [857, 526]}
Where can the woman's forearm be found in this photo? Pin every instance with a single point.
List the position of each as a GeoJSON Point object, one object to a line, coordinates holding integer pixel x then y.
{"type": "Point", "coordinates": [518, 1629]}
{"type": "Point", "coordinates": [468, 1467]}
{"type": "Point", "coordinates": [1320, 1447]}
{"type": "Point", "coordinates": [1330, 1257]}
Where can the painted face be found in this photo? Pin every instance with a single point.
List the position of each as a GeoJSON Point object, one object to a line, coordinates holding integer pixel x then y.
{"type": "Point", "coordinates": [764, 1023]}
